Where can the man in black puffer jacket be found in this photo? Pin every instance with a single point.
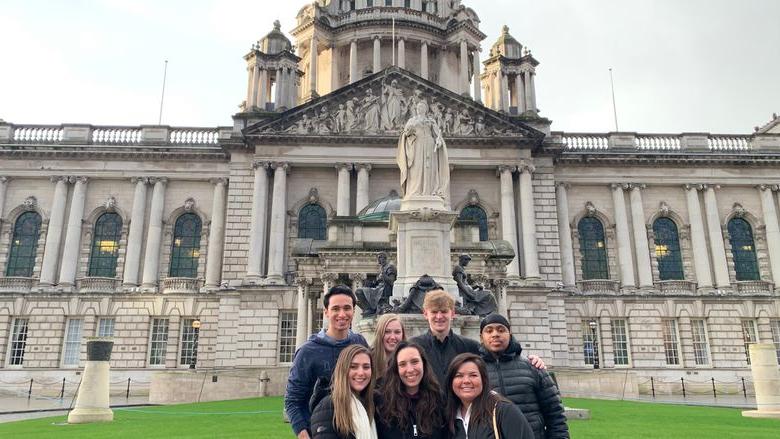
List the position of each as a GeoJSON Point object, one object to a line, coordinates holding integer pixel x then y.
{"type": "Point", "coordinates": [530, 389]}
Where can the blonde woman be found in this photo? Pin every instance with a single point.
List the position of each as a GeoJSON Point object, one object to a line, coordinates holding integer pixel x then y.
{"type": "Point", "coordinates": [389, 332]}
{"type": "Point", "coordinates": [348, 413]}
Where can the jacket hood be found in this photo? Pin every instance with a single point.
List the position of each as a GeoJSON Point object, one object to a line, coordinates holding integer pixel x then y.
{"type": "Point", "coordinates": [514, 349]}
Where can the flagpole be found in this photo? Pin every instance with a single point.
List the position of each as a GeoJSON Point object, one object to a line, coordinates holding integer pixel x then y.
{"type": "Point", "coordinates": [165, 75]}
{"type": "Point", "coordinates": [393, 40]}
{"type": "Point", "coordinates": [614, 106]}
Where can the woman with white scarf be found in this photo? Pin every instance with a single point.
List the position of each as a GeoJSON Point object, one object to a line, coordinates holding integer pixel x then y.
{"type": "Point", "coordinates": [348, 413]}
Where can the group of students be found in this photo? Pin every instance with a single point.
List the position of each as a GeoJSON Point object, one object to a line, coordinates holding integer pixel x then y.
{"type": "Point", "coordinates": [437, 385]}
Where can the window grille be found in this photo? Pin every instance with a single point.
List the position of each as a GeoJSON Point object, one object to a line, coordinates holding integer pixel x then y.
{"type": "Point", "coordinates": [18, 342]}
{"type": "Point", "coordinates": [701, 350]}
{"type": "Point", "coordinates": [158, 342]}
{"type": "Point", "coordinates": [749, 336]}
{"type": "Point", "coordinates": [589, 342]}
{"type": "Point", "coordinates": [24, 245]}
{"type": "Point", "coordinates": [620, 342]}
{"type": "Point", "coordinates": [106, 327]}
{"type": "Point", "coordinates": [667, 250]}
{"type": "Point", "coordinates": [105, 245]}
{"type": "Point", "coordinates": [189, 342]}
{"type": "Point", "coordinates": [593, 247]}
{"type": "Point", "coordinates": [70, 356]}
{"type": "Point", "coordinates": [288, 321]}
{"type": "Point", "coordinates": [671, 343]}
{"type": "Point", "coordinates": [312, 222]}
{"type": "Point", "coordinates": [185, 250]}
{"type": "Point", "coordinates": [743, 249]}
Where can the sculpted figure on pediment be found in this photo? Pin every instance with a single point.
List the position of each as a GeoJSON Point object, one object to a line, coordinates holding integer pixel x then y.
{"type": "Point", "coordinates": [479, 125]}
{"type": "Point", "coordinates": [393, 105]}
{"type": "Point", "coordinates": [322, 123]}
{"type": "Point", "coordinates": [464, 123]}
{"type": "Point", "coordinates": [302, 126]}
{"type": "Point", "coordinates": [371, 110]}
{"type": "Point", "coordinates": [340, 119]}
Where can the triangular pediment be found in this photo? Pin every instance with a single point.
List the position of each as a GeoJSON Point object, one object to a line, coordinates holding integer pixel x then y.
{"type": "Point", "coordinates": [381, 104]}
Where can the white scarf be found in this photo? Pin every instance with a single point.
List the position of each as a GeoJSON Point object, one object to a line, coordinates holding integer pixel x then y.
{"type": "Point", "coordinates": [364, 427]}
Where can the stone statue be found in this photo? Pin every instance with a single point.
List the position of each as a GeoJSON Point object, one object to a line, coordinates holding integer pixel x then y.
{"type": "Point", "coordinates": [476, 300]}
{"type": "Point", "coordinates": [371, 110]}
{"type": "Point", "coordinates": [422, 157]}
{"type": "Point", "coordinates": [413, 304]}
{"type": "Point", "coordinates": [376, 299]}
{"type": "Point", "coordinates": [393, 105]}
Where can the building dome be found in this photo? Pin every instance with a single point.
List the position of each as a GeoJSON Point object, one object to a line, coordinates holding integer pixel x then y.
{"type": "Point", "coordinates": [507, 46]}
{"type": "Point", "coordinates": [275, 42]}
{"type": "Point", "coordinates": [379, 210]}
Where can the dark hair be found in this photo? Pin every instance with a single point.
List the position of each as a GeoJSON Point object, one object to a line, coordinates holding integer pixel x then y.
{"type": "Point", "coordinates": [483, 404]}
{"type": "Point", "coordinates": [338, 289]}
{"type": "Point", "coordinates": [396, 403]}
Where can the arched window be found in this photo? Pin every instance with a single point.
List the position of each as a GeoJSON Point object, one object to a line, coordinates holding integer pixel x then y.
{"type": "Point", "coordinates": [478, 215]}
{"type": "Point", "coordinates": [593, 247]}
{"type": "Point", "coordinates": [743, 248]}
{"type": "Point", "coordinates": [24, 245]}
{"type": "Point", "coordinates": [105, 245]}
{"type": "Point", "coordinates": [667, 250]}
{"type": "Point", "coordinates": [185, 250]}
{"type": "Point", "coordinates": [312, 222]}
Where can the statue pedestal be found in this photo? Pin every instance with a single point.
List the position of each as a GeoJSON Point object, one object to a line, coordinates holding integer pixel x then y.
{"type": "Point", "coordinates": [423, 245]}
{"type": "Point", "coordinates": [92, 402]}
{"type": "Point", "coordinates": [766, 380]}
{"type": "Point", "coordinates": [416, 324]}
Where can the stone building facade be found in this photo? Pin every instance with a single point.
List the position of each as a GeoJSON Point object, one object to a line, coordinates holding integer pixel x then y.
{"type": "Point", "coordinates": [656, 253]}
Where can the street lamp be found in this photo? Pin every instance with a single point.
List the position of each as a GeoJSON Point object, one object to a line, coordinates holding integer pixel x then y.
{"type": "Point", "coordinates": [595, 343]}
{"type": "Point", "coordinates": [196, 328]}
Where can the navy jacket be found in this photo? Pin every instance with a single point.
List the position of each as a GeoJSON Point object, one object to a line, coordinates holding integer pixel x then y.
{"type": "Point", "coordinates": [309, 379]}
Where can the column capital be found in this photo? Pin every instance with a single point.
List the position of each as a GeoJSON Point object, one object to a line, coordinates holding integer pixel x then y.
{"type": "Point", "coordinates": [77, 179]}
{"type": "Point", "coordinates": [346, 166]}
{"type": "Point", "coordinates": [59, 178]}
{"type": "Point", "coordinates": [563, 184]}
{"type": "Point", "coordinates": [707, 186]}
{"type": "Point", "coordinates": [526, 167]}
{"type": "Point", "coordinates": [357, 276]}
{"type": "Point", "coordinates": [693, 187]}
{"type": "Point", "coordinates": [505, 168]}
{"type": "Point", "coordinates": [4, 179]}
{"type": "Point", "coordinates": [302, 282]}
{"type": "Point", "coordinates": [615, 186]}
{"type": "Point", "coordinates": [261, 164]}
{"type": "Point", "coordinates": [142, 180]}
{"type": "Point", "coordinates": [376, 37]}
{"type": "Point", "coordinates": [155, 180]}
{"type": "Point", "coordinates": [367, 166]}
{"type": "Point", "coordinates": [760, 187]}
{"type": "Point", "coordinates": [282, 165]}
{"type": "Point", "coordinates": [219, 180]}
{"type": "Point", "coordinates": [329, 277]}
{"type": "Point", "coordinates": [637, 186]}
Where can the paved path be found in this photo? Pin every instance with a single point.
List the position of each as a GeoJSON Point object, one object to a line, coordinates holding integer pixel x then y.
{"type": "Point", "coordinates": [17, 408]}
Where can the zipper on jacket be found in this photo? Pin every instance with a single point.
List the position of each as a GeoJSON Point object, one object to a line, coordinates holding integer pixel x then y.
{"type": "Point", "coordinates": [414, 430]}
{"type": "Point", "coordinates": [500, 377]}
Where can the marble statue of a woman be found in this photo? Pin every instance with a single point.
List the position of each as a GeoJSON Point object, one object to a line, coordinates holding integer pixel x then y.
{"type": "Point", "coordinates": [422, 157]}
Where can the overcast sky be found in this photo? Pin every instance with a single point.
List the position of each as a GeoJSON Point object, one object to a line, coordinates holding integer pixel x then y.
{"type": "Point", "coordinates": [679, 65]}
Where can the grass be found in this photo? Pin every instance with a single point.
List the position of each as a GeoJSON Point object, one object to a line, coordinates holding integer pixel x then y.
{"type": "Point", "coordinates": [262, 418]}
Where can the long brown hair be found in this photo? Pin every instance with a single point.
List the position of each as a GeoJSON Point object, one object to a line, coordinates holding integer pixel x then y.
{"type": "Point", "coordinates": [396, 404]}
{"type": "Point", "coordinates": [341, 392]}
{"type": "Point", "coordinates": [380, 357]}
{"type": "Point", "coordinates": [483, 405]}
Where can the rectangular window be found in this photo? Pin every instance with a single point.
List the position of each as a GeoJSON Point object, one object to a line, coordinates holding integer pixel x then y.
{"type": "Point", "coordinates": [701, 350]}
{"type": "Point", "coordinates": [590, 341]}
{"type": "Point", "coordinates": [18, 342]}
{"type": "Point", "coordinates": [70, 356]}
{"type": "Point", "coordinates": [749, 336]}
{"type": "Point", "coordinates": [105, 327]}
{"type": "Point", "coordinates": [158, 343]}
{"type": "Point", "coordinates": [775, 324]}
{"type": "Point", "coordinates": [620, 342]}
{"type": "Point", "coordinates": [288, 320]}
{"type": "Point", "coordinates": [388, 2]}
{"type": "Point", "coordinates": [189, 342]}
{"type": "Point", "coordinates": [671, 344]}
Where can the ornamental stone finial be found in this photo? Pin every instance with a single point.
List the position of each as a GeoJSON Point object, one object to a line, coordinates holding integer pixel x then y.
{"type": "Point", "coordinates": [189, 204]}
{"type": "Point", "coordinates": [110, 204]}
{"type": "Point", "coordinates": [30, 203]}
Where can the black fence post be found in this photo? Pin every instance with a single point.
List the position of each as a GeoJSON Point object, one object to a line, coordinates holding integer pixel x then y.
{"type": "Point", "coordinates": [62, 391]}
{"type": "Point", "coordinates": [714, 392]}
{"type": "Point", "coordinates": [652, 386]}
{"type": "Point", "coordinates": [744, 390]}
{"type": "Point", "coordinates": [127, 394]}
{"type": "Point", "coordinates": [29, 391]}
{"type": "Point", "coordinates": [682, 380]}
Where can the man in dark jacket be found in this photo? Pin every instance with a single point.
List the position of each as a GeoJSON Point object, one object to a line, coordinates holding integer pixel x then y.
{"type": "Point", "coordinates": [530, 389]}
{"type": "Point", "coordinates": [313, 363]}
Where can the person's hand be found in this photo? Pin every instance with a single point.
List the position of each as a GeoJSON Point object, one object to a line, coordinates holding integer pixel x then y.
{"type": "Point", "coordinates": [536, 362]}
{"type": "Point", "coordinates": [303, 435]}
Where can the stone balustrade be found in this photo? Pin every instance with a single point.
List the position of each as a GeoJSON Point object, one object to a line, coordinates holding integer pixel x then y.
{"type": "Point", "coordinates": [181, 285]}
{"type": "Point", "coordinates": [389, 12]}
{"type": "Point", "coordinates": [684, 142]}
{"type": "Point", "coordinates": [97, 285]}
{"type": "Point", "coordinates": [599, 286]}
{"type": "Point", "coordinates": [16, 284]}
{"type": "Point", "coordinates": [749, 287]}
{"type": "Point", "coordinates": [684, 287]}
{"type": "Point", "coordinates": [72, 134]}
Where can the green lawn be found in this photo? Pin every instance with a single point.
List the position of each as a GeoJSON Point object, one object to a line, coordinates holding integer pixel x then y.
{"type": "Point", "coordinates": [262, 418]}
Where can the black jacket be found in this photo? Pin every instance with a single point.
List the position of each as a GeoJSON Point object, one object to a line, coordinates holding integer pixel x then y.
{"type": "Point", "coordinates": [440, 354]}
{"type": "Point", "coordinates": [390, 430]}
{"type": "Point", "coordinates": [322, 426]}
{"type": "Point", "coordinates": [511, 425]}
{"type": "Point", "coordinates": [530, 389]}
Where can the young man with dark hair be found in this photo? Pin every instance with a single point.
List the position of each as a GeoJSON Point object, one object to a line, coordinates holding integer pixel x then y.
{"type": "Point", "coordinates": [530, 389]}
{"type": "Point", "coordinates": [313, 363]}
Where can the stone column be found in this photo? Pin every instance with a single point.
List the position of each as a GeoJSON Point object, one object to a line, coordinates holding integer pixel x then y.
{"type": "Point", "coordinates": [532, 95]}
{"type": "Point", "coordinates": [3, 191]}
{"type": "Point", "coordinates": [70, 255]}
{"type": "Point", "coordinates": [564, 235]}
{"type": "Point", "coordinates": [520, 91]}
{"type": "Point", "coordinates": [249, 84]}
{"type": "Point", "coordinates": [252, 92]}
{"type": "Point", "coordinates": [262, 95]}
{"type": "Point", "coordinates": [216, 234]}
{"type": "Point", "coordinates": [772, 230]}
{"type": "Point", "coordinates": [278, 224]}
{"type": "Point", "coordinates": [377, 54]}
{"type": "Point", "coordinates": [292, 95]}
{"type": "Point", "coordinates": [278, 91]}
{"type": "Point", "coordinates": [257, 233]}
{"type": "Point", "coordinates": [313, 66]}
{"type": "Point", "coordinates": [361, 201]}
{"type": "Point", "coordinates": [477, 82]}
{"type": "Point", "coordinates": [701, 261]}
{"type": "Point", "coordinates": [500, 286]}
{"type": "Point", "coordinates": [716, 238]}
{"type": "Point", "coordinates": [527, 95]}
{"type": "Point", "coordinates": [528, 221]}
{"type": "Point", "coordinates": [508, 222]}
{"type": "Point", "coordinates": [424, 60]}
{"type": "Point", "coordinates": [402, 53]}
{"type": "Point", "coordinates": [464, 67]}
{"type": "Point", "coordinates": [136, 233]}
{"type": "Point", "coordinates": [301, 333]}
{"type": "Point", "coordinates": [154, 235]}
{"type": "Point", "coordinates": [353, 62]}
{"type": "Point", "coordinates": [328, 281]}
{"type": "Point", "coordinates": [335, 62]}
{"type": "Point", "coordinates": [54, 231]}
{"type": "Point", "coordinates": [504, 92]}
{"type": "Point", "coordinates": [343, 195]}
{"type": "Point", "coordinates": [625, 260]}
{"type": "Point", "coordinates": [644, 269]}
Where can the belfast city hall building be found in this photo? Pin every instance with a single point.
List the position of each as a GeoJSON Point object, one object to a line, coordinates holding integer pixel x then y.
{"type": "Point", "coordinates": [650, 254]}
